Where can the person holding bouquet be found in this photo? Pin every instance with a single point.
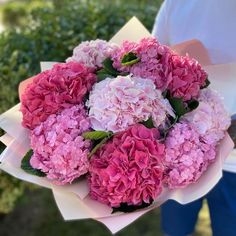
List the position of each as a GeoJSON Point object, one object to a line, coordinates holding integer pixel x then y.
{"type": "Point", "coordinates": [204, 30]}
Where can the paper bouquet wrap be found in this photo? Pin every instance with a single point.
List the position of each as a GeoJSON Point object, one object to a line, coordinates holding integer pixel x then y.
{"type": "Point", "coordinates": [118, 129]}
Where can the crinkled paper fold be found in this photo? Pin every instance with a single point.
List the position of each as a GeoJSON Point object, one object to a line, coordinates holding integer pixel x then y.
{"type": "Point", "coordinates": [73, 200]}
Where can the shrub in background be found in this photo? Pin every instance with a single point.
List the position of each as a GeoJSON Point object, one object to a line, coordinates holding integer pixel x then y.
{"type": "Point", "coordinates": [10, 190]}
{"type": "Point", "coordinates": [14, 13]}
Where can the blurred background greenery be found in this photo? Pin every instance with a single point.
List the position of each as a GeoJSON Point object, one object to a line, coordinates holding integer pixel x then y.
{"type": "Point", "coordinates": [48, 30]}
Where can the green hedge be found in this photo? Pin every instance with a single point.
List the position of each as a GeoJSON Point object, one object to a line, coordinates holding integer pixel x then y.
{"type": "Point", "coordinates": [10, 190]}
{"type": "Point", "coordinates": [50, 34]}
{"type": "Point", "coordinates": [14, 13]}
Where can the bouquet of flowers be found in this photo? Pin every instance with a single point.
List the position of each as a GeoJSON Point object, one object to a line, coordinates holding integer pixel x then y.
{"type": "Point", "coordinates": [123, 127]}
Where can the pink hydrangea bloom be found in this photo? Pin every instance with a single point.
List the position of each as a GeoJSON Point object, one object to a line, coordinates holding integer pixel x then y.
{"type": "Point", "coordinates": [183, 76]}
{"type": "Point", "coordinates": [187, 156]}
{"type": "Point", "coordinates": [51, 91]}
{"type": "Point", "coordinates": [92, 53]}
{"type": "Point", "coordinates": [154, 61]}
{"type": "Point", "coordinates": [115, 104]}
{"type": "Point", "coordinates": [128, 169]}
{"type": "Point", "coordinates": [187, 78]}
{"type": "Point", "coordinates": [210, 118]}
{"type": "Point", "coordinates": [59, 149]}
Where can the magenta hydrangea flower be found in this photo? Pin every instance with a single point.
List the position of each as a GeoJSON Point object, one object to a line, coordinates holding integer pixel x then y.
{"type": "Point", "coordinates": [115, 104]}
{"type": "Point", "coordinates": [210, 118]}
{"type": "Point", "coordinates": [51, 91]}
{"type": "Point", "coordinates": [187, 77]}
{"type": "Point", "coordinates": [154, 61]}
{"type": "Point", "coordinates": [187, 156]}
{"type": "Point", "coordinates": [128, 169]}
{"type": "Point", "coordinates": [92, 53]}
{"type": "Point", "coordinates": [59, 149]}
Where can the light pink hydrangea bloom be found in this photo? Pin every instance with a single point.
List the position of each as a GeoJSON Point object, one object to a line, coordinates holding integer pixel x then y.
{"type": "Point", "coordinates": [92, 53]}
{"type": "Point", "coordinates": [154, 61]}
{"type": "Point", "coordinates": [51, 91]}
{"type": "Point", "coordinates": [210, 118]}
{"type": "Point", "coordinates": [187, 156]}
{"type": "Point", "coordinates": [128, 169]}
{"type": "Point", "coordinates": [115, 104]}
{"type": "Point", "coordinates": [59, 149]}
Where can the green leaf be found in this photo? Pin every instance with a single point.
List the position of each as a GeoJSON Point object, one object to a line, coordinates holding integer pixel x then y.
{"type": "Point", "coordinates": [148, 123]}
{"type": "Point", "coordinates": [26, 166]}
{"type": "Point", "coordinates": [178, 106]}
{"type": "Point", "coordinates": [97, 135]}
{"type": "Point", "coordinates": [103, 74]}
{"type": "Point", "coordinates": [94, 150]}
{"type": "Point", "coordinates": [165, 93]}
{"type": "Point", "coordinates": [108, 71]}
{"type": "Point", "coordinates": [207, 83]}
{"type": "Point", "coordinates": [99, 138]}
{"type": "Point", "coordinates": [124, 73]}
{"type": "Point", "coordinates": [173, 121]}
{"type": "Point", "coordinates": [193, 104]}
{"type": "Point", "coordinates": [108, 67]}
{"type": "Point", "coordinates": [129, 59]}
{"type": "Point", "coordinates": [124, 207]}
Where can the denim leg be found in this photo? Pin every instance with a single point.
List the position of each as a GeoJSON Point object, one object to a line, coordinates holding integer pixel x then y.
{"type": "Point", "coordinates": [222, 206]}
{"type": "Point", "coordinates": [179, 220]}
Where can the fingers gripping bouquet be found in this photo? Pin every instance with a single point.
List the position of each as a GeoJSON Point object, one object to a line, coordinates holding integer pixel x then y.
{"type": "Point", "coordinates": [135, 122]}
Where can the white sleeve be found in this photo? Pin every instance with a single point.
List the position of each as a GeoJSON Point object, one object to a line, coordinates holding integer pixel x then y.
{"type": "Point", "coordinates": [160, 28]}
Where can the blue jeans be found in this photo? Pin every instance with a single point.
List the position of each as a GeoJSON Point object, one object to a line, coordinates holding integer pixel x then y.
{"type": "Point", "coordinates": [180, 220]}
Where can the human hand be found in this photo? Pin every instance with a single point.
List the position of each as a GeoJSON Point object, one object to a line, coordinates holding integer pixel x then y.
{"type": "Point", "coordinates": [195, 49]}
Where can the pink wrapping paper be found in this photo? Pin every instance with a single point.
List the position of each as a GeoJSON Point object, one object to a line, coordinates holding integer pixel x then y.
{"type": "Point", "coordinates": [73, 200]}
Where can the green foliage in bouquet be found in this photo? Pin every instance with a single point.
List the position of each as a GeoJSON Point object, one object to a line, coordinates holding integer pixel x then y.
{"type": "Point", "coordinates": [48, 32]}
{"type": "Point", "coordinates": [26, 166]}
